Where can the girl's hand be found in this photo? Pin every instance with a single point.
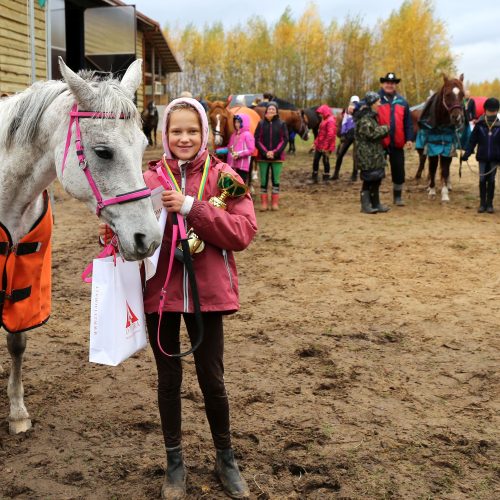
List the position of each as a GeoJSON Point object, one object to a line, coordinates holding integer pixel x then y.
{"type": "Point", "coordinates": [172, 200]}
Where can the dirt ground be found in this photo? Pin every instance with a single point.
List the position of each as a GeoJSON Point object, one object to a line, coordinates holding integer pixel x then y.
{"type": "Point", "coordinates": [363, 363]}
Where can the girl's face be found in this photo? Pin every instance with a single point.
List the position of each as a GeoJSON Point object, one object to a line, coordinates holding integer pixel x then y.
{"type": "Point", "coordinates": [237, 124]}
{"type": "Point", "coordinates": [375, 105]}
{"type": "Point", "coordinates": [184, 134]}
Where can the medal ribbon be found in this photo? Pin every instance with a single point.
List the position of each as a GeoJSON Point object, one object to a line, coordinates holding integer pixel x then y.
{"type": "Point", "coordinates": [204, 177]}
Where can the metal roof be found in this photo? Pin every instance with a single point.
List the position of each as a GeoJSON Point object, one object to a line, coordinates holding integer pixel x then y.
{"type": "Point", "coordinates": [154, 35]}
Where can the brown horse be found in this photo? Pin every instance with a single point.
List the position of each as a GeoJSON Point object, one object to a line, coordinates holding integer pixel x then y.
{"type": "Point", "coordinates": [440, 120]}
{"type": "Point", "coordinates": [292, 117]}
{"type": "Point", "coordinates": [221, 123]}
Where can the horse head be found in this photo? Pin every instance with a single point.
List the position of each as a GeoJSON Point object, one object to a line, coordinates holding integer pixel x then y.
{"type": "Point", "coordinates": [221, 122]}
{"type": "Point", "coordinates": [451, 97]}
{"type": "Point", "coordinates": [303, 128]}
{"type": "Point", "coordinates": [113, 145]}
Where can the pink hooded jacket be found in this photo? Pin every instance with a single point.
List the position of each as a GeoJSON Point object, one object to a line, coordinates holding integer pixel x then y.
{"type": "Point", "coordinates": [243, 143]}
{"type": "Point", "coordinates": [223, 232]}
{"type": "Point", "coordinates": [327, 130]}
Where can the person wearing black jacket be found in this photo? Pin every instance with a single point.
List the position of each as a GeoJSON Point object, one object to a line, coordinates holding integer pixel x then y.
{"type": "Point", "coordinates": [271, 138]}
{"type": "Point", "coordinates": [486, 136]}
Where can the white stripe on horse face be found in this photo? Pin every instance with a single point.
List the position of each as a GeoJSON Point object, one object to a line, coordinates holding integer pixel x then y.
{"type": "Point", "coordinates": [218, 136]}
{"type": "Point", "coordinates": [456, 90]}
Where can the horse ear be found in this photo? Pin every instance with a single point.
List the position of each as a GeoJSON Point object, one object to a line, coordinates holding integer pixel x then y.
{"type": "Point", "coordinates": [445, 77]}
{"type": "Point", "coordinates": [132, 78]}
{"type": "Point", "coordinates": [461, 77]}
{"type": "Point", "coordinates": [82, 90]}
{"type": "Point", "coordinates": [209, 104]}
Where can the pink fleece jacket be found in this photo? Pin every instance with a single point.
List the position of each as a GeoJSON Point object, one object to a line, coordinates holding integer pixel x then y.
{"type": "Point", "coordinates": [243, 143]}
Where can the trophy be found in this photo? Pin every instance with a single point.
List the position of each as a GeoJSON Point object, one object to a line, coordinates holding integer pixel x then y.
{"type": "Point", "coordinates": [230, 188]}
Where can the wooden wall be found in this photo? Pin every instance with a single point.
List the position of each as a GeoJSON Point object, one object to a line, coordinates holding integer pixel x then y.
{"type": "Point", "coordinates": [139, 54]}
{"type": "Point", "coordinates": [15, 51]}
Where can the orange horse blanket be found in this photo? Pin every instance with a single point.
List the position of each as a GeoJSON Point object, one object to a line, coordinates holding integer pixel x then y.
{"type": "Point", "coordinates": [25, 270]}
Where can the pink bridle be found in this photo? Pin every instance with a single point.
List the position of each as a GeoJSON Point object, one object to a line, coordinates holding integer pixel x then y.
{"type": "Point", "coordinates": [121, 198]}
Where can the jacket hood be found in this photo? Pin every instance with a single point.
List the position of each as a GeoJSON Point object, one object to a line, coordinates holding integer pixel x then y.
{"type": "Point", "coordinates": [363, 111]}
{"type": "Point", "coordinates": [204, 126]}
{"type": "Point", "coordinates": [324, 110]}
{"type": "Point", "coordinates": [245, 126]}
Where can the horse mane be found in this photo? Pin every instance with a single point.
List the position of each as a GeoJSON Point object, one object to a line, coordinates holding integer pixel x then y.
{"type": "Point", "coordinates": [24, 111]}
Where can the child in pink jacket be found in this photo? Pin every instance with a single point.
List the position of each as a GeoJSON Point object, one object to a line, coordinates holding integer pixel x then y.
{"type": "Point", "coordinates": [324, 144]}
{"type": "Point", "coordinates": [186, 159]}
{"type": "Point", "coordinates": [241, 146]}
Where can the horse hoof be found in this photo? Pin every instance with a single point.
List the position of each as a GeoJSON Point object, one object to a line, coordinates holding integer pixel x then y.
{"type": "Point", "coordinates": [444, 195]}
{"type": "Point", "coordinates": [18, 426]}
{"type": "Point", "coordinates": [432, 193]}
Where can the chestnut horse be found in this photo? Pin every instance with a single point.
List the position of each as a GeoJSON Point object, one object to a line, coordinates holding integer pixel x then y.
{"type": "Point", "coordinates": [221, 122]}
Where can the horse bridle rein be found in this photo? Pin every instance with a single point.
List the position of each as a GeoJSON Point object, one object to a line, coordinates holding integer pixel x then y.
{"type": "Point", "coordinates": [138, 194]}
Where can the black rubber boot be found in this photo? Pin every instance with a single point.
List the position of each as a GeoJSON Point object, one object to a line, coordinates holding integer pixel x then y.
{"type": "Point", "coordinates": [490, 193]}
{"type": "Point", "coordinates": [398, 197]}
{"type": "Point", "coordinates": [482, 196]}
{"type": "Point", "coordinates": [366, 203]}
{"type": "Point", "coordinates": [174, 484]}
{"type": "Point", "coordinates": [375, 198]}
{"type": "Point", "coordinates": [229, 474]}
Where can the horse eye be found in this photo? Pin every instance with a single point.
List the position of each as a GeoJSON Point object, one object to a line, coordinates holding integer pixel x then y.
{"type": "Point", "coordinates": [103, 152]}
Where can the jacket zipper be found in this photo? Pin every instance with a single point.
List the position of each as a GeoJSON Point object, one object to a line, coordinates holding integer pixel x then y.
{"type": "Point", "coordinates": [185, 281]}
{"type": "Point", "coordinates": [226, 262]}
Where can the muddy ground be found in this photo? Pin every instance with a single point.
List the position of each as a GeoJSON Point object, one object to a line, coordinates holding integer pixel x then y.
{"type": "Point", "coordinates": [363, 363]}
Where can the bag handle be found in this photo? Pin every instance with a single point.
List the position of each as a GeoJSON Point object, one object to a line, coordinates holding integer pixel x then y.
{"type": "Point", "coordinates": [109, 249]}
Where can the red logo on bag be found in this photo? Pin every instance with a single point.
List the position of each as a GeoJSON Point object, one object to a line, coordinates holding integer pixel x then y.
{"type": "Point", "coordinates": [131, 317]}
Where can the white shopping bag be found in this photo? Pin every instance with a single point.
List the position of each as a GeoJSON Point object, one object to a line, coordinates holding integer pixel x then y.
{"type": "Point", "coordinates": [117, 323]}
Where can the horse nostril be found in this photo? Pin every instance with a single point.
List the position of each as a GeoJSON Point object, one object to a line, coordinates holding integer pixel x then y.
{"type": "Point", "coordinates": [140, 243]}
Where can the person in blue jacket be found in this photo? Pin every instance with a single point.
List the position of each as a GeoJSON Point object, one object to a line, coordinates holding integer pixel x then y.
{"type": "Point", "coordinates": [486, 136]}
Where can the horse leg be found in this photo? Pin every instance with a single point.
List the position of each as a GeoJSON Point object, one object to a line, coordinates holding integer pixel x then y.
{"type": "Point", "coordinates": [445, 162]}
{"type": "Point", "coordinates": [19, 419]}
{"type": "Point", "coordinates": [421, 163]}
{"type": "Point", "coordinates": [433, 165]}
{"type": "Point", "coordinates": [154, 136]}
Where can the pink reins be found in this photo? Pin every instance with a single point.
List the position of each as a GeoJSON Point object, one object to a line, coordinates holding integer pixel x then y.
{"type": "Point", "coordinates": [121, 198]}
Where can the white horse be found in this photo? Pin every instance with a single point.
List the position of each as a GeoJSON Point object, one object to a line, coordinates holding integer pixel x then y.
{"type": "Point", "coordinates": [35, 127]}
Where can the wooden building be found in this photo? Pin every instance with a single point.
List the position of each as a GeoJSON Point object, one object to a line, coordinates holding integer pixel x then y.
{"type": "Point", "coordinates": [105, 35]}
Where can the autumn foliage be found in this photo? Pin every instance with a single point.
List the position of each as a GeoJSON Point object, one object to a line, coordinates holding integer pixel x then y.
{"type": "Point", "coordinates": [308, 60]}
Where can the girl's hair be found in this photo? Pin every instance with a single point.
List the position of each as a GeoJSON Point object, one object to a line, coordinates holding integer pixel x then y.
{"type": "Point", "coordinates": [181, 106]}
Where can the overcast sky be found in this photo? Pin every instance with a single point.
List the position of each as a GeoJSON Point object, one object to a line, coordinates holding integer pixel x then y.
{"type": "Point", "coordinates": [473, 26]}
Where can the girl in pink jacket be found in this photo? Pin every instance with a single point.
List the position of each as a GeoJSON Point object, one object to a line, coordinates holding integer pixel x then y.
{"type": "Point", "coordinates": [241, 146]}
{"type": "Point", "coordinates": [186, 159]}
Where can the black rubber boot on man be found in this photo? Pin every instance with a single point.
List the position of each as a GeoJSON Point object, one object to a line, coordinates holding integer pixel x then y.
{"type": "Point", "coordinates": [174, 484]}
{"type": "Point", "coordinates": [229, 474]}
{"type": "Point", "coordinates": [398, 195]}
{"type": "Point", "coordinates": [366, 203]}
